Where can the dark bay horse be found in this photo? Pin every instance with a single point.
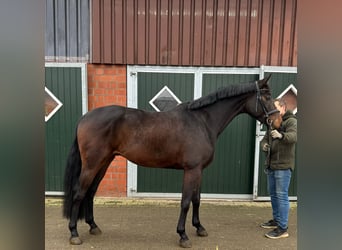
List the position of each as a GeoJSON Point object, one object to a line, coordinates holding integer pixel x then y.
{"type": "Point", "coordinates": [182, 138]}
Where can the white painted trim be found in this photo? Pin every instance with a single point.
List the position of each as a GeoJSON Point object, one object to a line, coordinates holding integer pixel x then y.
{"type": "Point", "coordinates": [161, 69]}
{"type": "Point", "coordinates": [267, 198]}
{"type": "Point", "coordinates": [292, 87]}
{"type": "Point", "coordinates": [227, 196]}
{"type": "Point", "coordinates": [132, 102]}
{"type": "Point", "coordinates": [205, 70]}
{"type": "Point", "coordinates": [203, 195]}
{"type": "Point", "coordinates": [279, 69]}
{"type": "Point", "coordinates": [64, 65]}
{"type": "Point", "coordinates": [233, 70]}
{"type": "Point", "coordinates": [134, 194]}
{"type": "Point", "coordinates": [132, 87]}
{"type": "Point", "coordinates": [54, 193]}
{"type": "Point", "coordinates": [198, 84]}
{"type": "Point", "coordinates": [84, 79]}
{"type": "Point", "coordinates": [132, 179]}
{"type": "Point", "coordinates": [256, 164]}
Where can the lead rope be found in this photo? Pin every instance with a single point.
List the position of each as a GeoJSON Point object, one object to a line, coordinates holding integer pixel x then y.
{"type": "Point", "coordinates": [269, 141]}
{"type": "Point", "coordinates": [258, 96]}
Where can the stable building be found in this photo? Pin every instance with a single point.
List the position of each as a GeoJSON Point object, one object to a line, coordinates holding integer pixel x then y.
{"type": "Point", "coordinates": [154, 54]}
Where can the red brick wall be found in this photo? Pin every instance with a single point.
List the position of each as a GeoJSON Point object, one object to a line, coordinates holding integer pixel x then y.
{"type": "Point", "coordinates": [107, 85]}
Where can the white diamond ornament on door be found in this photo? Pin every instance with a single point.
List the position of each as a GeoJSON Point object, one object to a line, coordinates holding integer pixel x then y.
{"type": "Point", "coordinates": [52, 104]}
{"type": "Point", "coordinates": [164, 100]}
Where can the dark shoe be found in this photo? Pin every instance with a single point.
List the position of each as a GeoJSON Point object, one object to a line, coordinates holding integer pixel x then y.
{"type": "Point", "coordinates": [270, 224]}
{"type": "Point", "coordinates": [277, 233]}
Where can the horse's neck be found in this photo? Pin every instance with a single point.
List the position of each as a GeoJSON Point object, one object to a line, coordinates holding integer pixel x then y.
{"type": "Point", "coordinates": [221, 113]}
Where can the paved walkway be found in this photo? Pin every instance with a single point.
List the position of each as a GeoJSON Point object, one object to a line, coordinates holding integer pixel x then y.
{"type": "Point", "coordinates": [151, 224]}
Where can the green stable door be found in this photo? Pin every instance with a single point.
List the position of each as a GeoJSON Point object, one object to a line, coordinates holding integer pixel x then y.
{"type": "Point", "coordinates": [65, 84]}
{"type": "Point", "coordinates": [158, 90]}
{"type": "Point", "coordinates": [231, 172]}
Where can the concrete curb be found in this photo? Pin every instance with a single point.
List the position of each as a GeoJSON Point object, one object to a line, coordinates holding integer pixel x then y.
{"type": "Point", "coordinates": [101, 201]}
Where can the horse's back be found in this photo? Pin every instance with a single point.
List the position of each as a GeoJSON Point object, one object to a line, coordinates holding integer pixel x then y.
{"type": "Point", "coordinates": [174, 138]}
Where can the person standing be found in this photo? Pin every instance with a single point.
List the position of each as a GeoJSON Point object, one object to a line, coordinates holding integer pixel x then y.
{"type": "Point", "coordinates": [280, 147]}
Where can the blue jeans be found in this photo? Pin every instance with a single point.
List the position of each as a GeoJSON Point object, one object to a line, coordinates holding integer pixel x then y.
{"type": "Point", "coordinates": [278, 188]}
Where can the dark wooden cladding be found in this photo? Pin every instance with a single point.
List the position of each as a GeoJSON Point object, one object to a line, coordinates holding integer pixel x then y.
{"type": "Point", "coordinates": [195, 32]}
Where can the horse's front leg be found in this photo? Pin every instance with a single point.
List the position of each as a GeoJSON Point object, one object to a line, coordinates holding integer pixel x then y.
{"type": "Point", "coordinates": [191, 183]}
{"type": "Point", "coordinates": [195, 215]}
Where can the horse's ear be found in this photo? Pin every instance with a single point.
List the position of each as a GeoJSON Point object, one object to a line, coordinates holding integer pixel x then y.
{"type": "Point", "coordinates": [264, 81]}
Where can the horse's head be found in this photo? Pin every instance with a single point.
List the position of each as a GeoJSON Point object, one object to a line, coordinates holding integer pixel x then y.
{"type": "Point", "coordinates": [262, 105]}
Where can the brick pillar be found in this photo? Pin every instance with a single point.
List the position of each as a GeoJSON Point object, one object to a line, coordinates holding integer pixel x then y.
{"type": "Point", "coordinates": [107, 85]}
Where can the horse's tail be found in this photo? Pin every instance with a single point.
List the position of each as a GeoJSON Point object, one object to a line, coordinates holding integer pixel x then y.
{"type": "Point", "coordinates": [71, 182]}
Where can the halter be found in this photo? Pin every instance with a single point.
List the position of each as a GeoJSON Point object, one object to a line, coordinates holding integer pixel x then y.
{"type": "Point", "coordinates": [267, 113]}
{"type": "Point", "coordinates": [269, 125]}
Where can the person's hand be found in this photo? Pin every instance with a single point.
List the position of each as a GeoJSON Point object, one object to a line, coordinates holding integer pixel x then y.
{"type": "Point", "coordinates": [265, 147]}
{"type": "Point", "coordinates": [276, 135]}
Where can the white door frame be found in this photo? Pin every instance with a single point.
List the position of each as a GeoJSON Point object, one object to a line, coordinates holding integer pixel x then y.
{"type": "Point", "coordinates": [260, 134]}
{"type": "Point", "coordinates": [132, 93]}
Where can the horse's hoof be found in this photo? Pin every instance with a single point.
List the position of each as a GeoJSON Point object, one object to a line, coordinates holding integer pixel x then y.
{"type": "Point", "coordinates": [185, 243]}
{"type": "Point", "coordinates": [95, 231]}
{"type": "Point", "coordinates": [75, 241]}
{"type": "Point", "coordinates": [202, 232]}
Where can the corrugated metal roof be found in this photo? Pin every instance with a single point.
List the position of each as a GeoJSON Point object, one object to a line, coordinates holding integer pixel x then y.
{"type": "Point", "coordinates": [67, 30]}
{"type": "Point", "coordinates": [195, 32]}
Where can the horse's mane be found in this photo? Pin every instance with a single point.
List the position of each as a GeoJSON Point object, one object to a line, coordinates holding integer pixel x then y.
{"type": "Point", "coordinates": [222, 93]}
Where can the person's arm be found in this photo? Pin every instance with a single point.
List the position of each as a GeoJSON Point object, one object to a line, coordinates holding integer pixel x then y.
{"type": "Point", "coordinates": [264, 142]}
{"type": "Point", "coordinates": [290, 135]}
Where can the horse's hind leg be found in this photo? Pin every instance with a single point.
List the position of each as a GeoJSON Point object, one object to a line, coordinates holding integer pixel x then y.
{"type": "Point", "coordinates": [74, 238]}
{"type": "Point", "coordinates": [89, 205]}
{"type": "Point", "coordinates": [84, 183]}
{"type": "Point", "coordinates": [85, 191]}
